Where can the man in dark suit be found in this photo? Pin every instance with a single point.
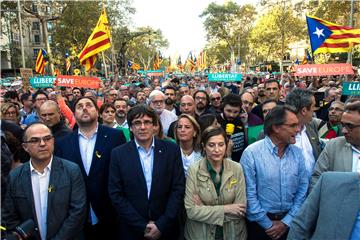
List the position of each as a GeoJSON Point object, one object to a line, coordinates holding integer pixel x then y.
{"type": "Point", "coordinates": [146, 181]}
{"type": "Point", "coordinates": [90, 146]}
{"type": "Point", "coordinates": [47, 189]}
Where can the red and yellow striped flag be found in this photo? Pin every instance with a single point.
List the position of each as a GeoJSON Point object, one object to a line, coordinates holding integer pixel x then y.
{"type": "Point", "coordinates": [98, 41]}
{"type": "Point", "coordinates": [328, 37]}
{"type": "Point", "coordinates": [40, 62]}
{"type": "Point", "coordinates": [201, 61]}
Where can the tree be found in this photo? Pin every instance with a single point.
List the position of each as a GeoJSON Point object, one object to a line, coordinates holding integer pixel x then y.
{"type": "Point", "coordinates": [275, 30]}
{"type": "Point", "coordinates": [230, 24]}
{"type": "Point", "coordinates": [143, 48]}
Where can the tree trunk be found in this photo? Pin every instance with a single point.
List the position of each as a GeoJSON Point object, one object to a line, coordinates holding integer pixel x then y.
{"type": "Point", "coordinates": [47, 45]}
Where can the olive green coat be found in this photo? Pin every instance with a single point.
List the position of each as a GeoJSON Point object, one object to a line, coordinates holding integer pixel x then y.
{"type": "Point", "coordinates": [202, 220]}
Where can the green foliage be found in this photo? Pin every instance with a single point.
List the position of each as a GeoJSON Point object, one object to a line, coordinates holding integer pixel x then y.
{"type": "Point", "coordinates": [275, 30]}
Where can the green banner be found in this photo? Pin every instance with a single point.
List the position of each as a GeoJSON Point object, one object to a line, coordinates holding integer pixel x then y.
{"type": "Point", "coordinates": [225, 77]}
{"type": "Point", "coordinates": [351, 88]}
{"type": "Point", "coordinates": [42, 82]}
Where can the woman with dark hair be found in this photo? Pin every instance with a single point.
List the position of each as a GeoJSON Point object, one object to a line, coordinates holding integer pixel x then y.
{"type": "Point", "coordinates": [187, 135]}
{"type": "Point", "coordinates": [107, 115]}
{"type": "Point", "coordinates": [207, 120]}
{"type": "Point", "coordinates": [215, 197]}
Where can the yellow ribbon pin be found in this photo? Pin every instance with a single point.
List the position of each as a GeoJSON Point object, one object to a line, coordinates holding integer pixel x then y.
{"type": "Point", "coordinates": [98, 155]}
{"type": "Point", "coordinates": [232, 182]}
{"type": "Point", "coordinates": [50, 188]}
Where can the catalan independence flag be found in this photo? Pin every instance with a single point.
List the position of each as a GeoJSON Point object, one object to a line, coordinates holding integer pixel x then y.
{"type": "Point", "coordinates": [327, 37]}
{"type": "Point", "coordinates": [40, 62]}
{"type": "Point", "coordinates": [98, 41]}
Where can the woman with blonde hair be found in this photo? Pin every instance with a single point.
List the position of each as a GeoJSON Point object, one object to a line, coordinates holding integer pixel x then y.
{"type": "Point", "coordinates": [215, 196]}
{"type": "Point", "coordinates": [187, 135]}
{"type": "Point", "coordinates": [10, 112]}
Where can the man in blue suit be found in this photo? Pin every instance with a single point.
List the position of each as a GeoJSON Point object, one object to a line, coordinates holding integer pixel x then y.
{"type": "Point", "coordinates": [90, 146]}
{"type": "Point", "coordinates": [146, 181]}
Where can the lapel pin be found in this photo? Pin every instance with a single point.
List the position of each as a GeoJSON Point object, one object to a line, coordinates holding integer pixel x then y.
{"type": "Point", "coordinates": [105, 136]}
{"type": "Point", "coordinates": [98, 155]}
{"type": "Point", "coordinates": [50, 188]}
{"type": "Point", "coordinates": [159, 151]}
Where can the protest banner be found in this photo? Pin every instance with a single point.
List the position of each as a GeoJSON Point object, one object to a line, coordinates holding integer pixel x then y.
{"type": "Point", "coordinates": [77, 81]}
{"type": "Point", "coordinates": [42, 81]}
{"type": "Point", "coordinates": [351, 88]}
{"type": "Point", "coordinates": [323, 69]}
{"type": "Point", "coordinates": [225, 77]}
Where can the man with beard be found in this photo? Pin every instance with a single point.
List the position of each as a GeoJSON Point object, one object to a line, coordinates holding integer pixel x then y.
{"type": "Point", "coordinates": [89, 146]}
{"type": "Point", "coordinates": [342, 154]}
{"type": "Point", "coordinates": [157, 102]}
{"type": "Point", "coordinates": [170, 100]}
{"type": "Point", "coordinates": [332, 128]}
{"type": "Point", "coordinates": [122, 109]}
{"type": "Point", "coordinates": [140, 97]}
{"type": "Point", "coordinates": [202, 101]}
{"type": "Point", "coordinates": [230, 121]}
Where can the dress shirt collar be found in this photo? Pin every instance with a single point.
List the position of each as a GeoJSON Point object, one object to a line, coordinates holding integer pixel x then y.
{"type": "Point", "coordinates": [138, 146]}
{"type": "Point", "coordinates": [272, 147]}
{"type": "Point", "coordinates": [81, 134]}
{"type": "Point", "coordinates": [47, 168]}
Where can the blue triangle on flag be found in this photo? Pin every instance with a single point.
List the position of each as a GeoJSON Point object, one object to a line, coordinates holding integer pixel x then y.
{"type": "Point", "coordinates": [318, 33]}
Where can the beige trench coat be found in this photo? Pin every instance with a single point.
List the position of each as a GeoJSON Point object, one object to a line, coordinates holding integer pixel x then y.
{"type": "Point", "coordinates": [202, 220]}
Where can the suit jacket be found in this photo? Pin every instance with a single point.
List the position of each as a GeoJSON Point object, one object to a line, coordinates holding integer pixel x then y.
{"type": "Point", "coordinates": [66, 209]}
{"type": "Point", "coordinates": [128, 191]}
{"type": "Point", "coordinates": [336, 156]}
{"type": "Point", "coordinates": [331, 209]}
{"type": "Point", "coordinates": [311, 132]}
{"type": "Point", "coordinates": [97, 180]}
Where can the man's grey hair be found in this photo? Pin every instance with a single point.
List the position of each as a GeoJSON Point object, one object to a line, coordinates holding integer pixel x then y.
{"type": "Point", "coordinates": [299, 98]}
{"type": "Point", "coordinates": [156, 93]}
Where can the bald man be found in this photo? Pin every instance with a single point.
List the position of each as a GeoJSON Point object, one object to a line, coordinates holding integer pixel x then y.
{"type": "Point", "coordinates": [50, 115]}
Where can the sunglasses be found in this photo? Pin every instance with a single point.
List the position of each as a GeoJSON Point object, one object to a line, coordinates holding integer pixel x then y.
{"type": "Point", "coordinates": [215, 98]}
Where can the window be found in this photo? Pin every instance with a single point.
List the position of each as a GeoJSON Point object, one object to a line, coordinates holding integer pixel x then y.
{"type": "Point", "coordinates": [49, 26]}
{"type": "Point", "coordinates": [50, 39]}
{"type": "Point", "coordinates": [35, 26]}
{"type": "Point", "coordinates": [36, 38]}
{"type": "Point", "coordinates": [34, 8]}
{"type": "Point", "coordinates": [35, 52]}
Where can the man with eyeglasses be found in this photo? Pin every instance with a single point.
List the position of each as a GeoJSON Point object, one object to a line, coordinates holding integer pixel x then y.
{"type": "Point", "coordinates": [215, 103]}
{"type": "Point", "coordinates": [201, 102]}
{"type": "Point", "coordinates": [276, 178]}
{"type": "Point", "coordinates": [38, 98]}
{"type": "Point", "coordinates": [146, 181]}
{"type": "Point", "coordinates": [111, 95]}
{"type": "Point", "coordinates": [342, 154]}
{"type": "Point", "coordinates": [89, 146]}
{"type": "Point", "coordinates": [47, 189]}
{"type": "Point", "coordinates": [157, 102]}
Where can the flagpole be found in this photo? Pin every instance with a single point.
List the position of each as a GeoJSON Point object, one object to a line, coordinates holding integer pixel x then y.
{"type": "Point", "coordinates": [103, 57]}
{"type": "Point", "coordinates": [349, 58]}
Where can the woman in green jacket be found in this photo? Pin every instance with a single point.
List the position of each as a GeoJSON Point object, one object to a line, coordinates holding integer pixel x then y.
{"type": "Point", "coordinates": [215, 197]}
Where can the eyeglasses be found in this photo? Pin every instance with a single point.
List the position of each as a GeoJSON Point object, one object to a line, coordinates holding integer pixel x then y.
{"type": "Point", "coordinates": [138, 124]}
{"type": "Point", "coordinates": [215, 99]}
{"type": "Point", "coordinates": [37, 140]}
{"type": "Point", "coordinates": [158, 102]}
{"type": "Point", "coordinates": [10, 113]}
{"type": "Point", "coordinates": [40, 99]}
{"type": "Point", "coordinates": [200, 98]}
{"type": "Point", "coordinates": [349, 126]}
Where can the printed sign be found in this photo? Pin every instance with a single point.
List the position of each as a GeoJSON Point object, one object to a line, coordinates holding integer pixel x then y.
{"type": "Point", "coordinates": [77, 81]}
{"type": "Point", "coordinates": [42, 82]}
{"type": "Point", "coordinates": [225, 77]}
{"type": "Point", "coordinates": [323, 69]}
{"type": "Point", "coordinates": [351, 88]}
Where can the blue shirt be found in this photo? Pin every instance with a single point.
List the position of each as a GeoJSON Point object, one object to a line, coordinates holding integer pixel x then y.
{"type": "Point", "coordinates": [356, 231]}
{"type": "Point", "coordinates": [273, 185]}
{"type": "Point", "coordinates": [147, 162]}
{"type": "Point", "coordinates": [31, 118]}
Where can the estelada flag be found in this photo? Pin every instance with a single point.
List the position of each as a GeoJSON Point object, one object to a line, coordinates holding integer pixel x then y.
{"type": "Point", "coordinates": [40, 62]}
{"type": "Point", "coordinates": [328, 37]}
{"type": "Point", "coordinates": [98, 41]}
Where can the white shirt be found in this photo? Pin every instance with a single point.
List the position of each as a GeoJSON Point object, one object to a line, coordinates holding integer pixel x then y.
{"type": "Point", "coordinates": [87, 146]}
{"type": "Point", "coordinates": [166, 118]}
{"type": "Point", "coordinates": [303, 142]}
{"type": "Point", "coordinates": [123, 125]}
{"type": "Point", "coordinates": [356, 159]}
{"type": "Point", "coordinates": [189, 159]}
{"type": "Point", "coordinates": [147, 162]}
{"type": "Point", "coordinates": [41, 189]}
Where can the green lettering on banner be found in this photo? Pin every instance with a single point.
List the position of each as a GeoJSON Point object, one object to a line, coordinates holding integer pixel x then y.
{"type": "Point", "coordinates": [42, 82]}
{"type": "Point", "coordinates": [351, 88]}
{"type": "Point", "coordinates": [225, 77]}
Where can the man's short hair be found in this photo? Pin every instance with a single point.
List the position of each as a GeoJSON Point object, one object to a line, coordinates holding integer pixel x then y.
{"type": "Point", "coordinates": [352, 105]}
{"type": "Point", "coordinates": [140, 111]}
{"type": "Point", "coordinates": [299, 98]}
{"type": "Point", "coordinates": [276, 117]}
{"type": "Point", "coordinates": [38, 92]}
{"type": "Point", "coordinates": [24, 97]}
{"type": "Point", "coordinates": [169, 87]}
{"type": "Point", "coordinates": [24, 139]}
{"type": "Point", "coordinates": [232, 100]}
{"type": "Point", "coordinates": [156, 93]}
{"type": "Point", "coordinates": [271, 80]}
{"type": "Point", "coordinates": [86, 97]}
{"type": "Point", "coordinates": [206, 94]}
{"type": "Point", "coordinates": [120, 99]}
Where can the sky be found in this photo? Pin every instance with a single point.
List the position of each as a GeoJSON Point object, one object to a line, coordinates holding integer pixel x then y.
{"type": "Point", "coordinates": [179, 22]}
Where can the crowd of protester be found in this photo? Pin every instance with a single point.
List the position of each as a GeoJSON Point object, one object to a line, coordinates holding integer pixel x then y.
{"type": "Point", "coordinates": [174, 158]}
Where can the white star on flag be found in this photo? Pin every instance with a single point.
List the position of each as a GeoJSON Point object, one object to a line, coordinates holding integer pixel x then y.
{"type": "Point", "coordinates": [319, 32]}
